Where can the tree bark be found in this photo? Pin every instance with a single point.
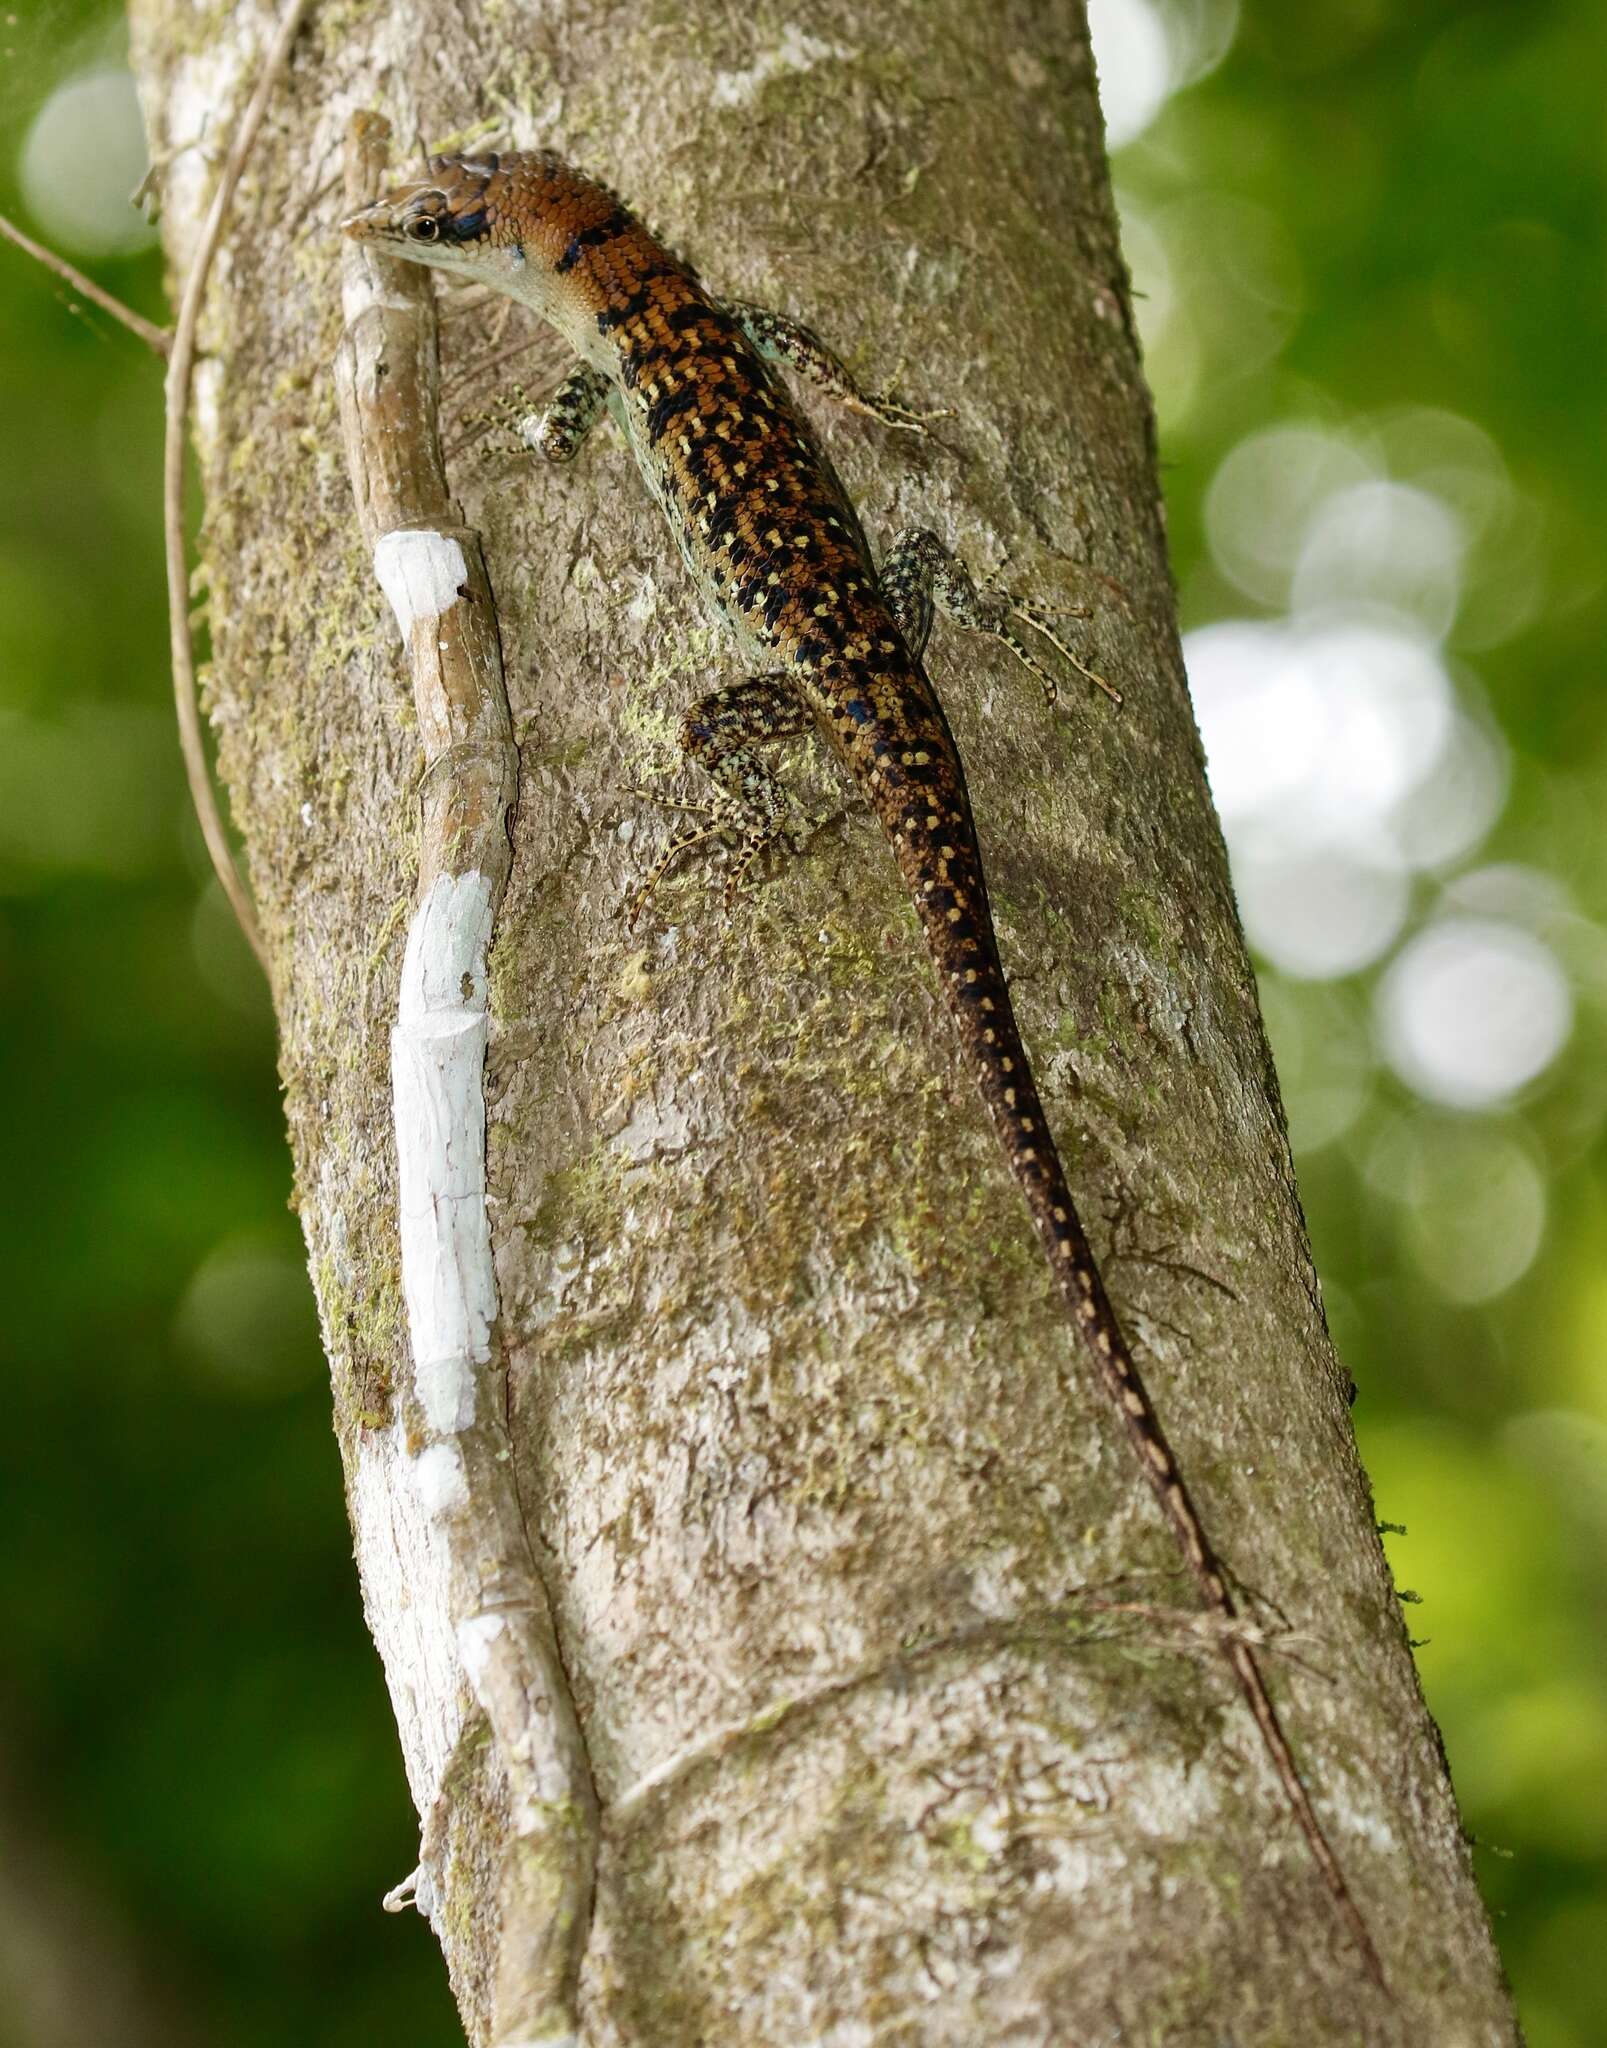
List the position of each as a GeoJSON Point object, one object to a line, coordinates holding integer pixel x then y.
{"type": "Point", "coordinates": [826, 1511]}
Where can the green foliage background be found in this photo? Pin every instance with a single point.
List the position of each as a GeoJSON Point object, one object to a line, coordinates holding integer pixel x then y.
{"type": "Point", "coordinates": [194, 1736]}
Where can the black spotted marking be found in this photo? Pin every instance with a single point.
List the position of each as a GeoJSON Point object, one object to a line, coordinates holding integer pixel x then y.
{"type": "Point", "coordinates": [668, 407]}
{"type": "Point", "coordinates": [609, 229]}
{"type": "Point", "coordinates": [629, 311]}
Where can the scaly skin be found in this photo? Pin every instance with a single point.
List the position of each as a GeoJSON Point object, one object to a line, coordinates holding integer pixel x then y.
{"type": "Point", "coordinates": [768, 532]}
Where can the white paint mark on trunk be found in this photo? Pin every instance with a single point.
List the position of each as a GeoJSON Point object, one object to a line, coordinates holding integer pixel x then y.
{"type": "Point", "coordinates": [442, 1483]}
{"type": "Point", "coordinates": [420, 572]}
{"type": "Point", "coordinates": [405, 1565]}
{"type": "Point", "coordinates": [796, 51]}
{"type": "Point", "coordinates": [437, 1067]}
{"type": "Point", "coordinates": [475, 1637]}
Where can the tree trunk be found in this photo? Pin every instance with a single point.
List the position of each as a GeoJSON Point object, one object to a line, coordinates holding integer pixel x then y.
{"type": "Point", "coordinates": [797, 1445]}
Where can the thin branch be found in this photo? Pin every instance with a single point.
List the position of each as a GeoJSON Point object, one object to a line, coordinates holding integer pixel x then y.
{"type": "Point", "coordinates": [180, 374]}
{"type": "Point", "coordinates": [483, 365]}
{"type": "Point", "coordinates": [159, 339]}
{"type": "Point", "coordinates": [450, 1547]}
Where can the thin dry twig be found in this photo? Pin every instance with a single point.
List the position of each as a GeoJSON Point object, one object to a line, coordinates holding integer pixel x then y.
{"type": "Point", "coordinates": [160, 339]}
{"type": "Point", "coordinates": [482, 366]}
{"type": "Point", "coordinates": [482, 1587]}
{"type": "Point", "coordinates": [180, 375]}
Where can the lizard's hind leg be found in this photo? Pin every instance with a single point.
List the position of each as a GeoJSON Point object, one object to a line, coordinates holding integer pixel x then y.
{"type": "Point", "coordinates": [920, 572]}
{"type": "Point", "coordinates": [721, 733]}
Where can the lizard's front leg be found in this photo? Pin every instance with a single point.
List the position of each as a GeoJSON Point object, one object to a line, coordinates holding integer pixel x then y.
{"type": "Point", "coordinates": [780, 339]}
{"type": "Point", "coordinates": [920, 572]}
{"type": "Point", "coordinates": [721, 733]}
{"type": "Point", "coordinates": [556, 430]}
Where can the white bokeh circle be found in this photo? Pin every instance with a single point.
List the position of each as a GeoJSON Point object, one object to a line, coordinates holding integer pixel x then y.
{"type": "Point", "coordinates": [1133, 63]}
{"type": "Point", "coordinates": [81, 160]}
{"type": "Point", "coordinates": [1472, 1011]}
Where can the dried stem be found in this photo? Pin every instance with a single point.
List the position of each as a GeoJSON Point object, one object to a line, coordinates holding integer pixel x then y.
{"type": "Point", "coordinates": [441, 1537]}
{"type": "Point", "coordinates": [496, 359]}
{"type": "Point", "coordinates": [158, 339]}
{"type": "Point", "coordinates": [180, 375]}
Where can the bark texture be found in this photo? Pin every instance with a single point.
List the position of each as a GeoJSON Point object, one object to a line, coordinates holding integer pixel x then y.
{"type": "Point", "coordinates": [815, 1482]}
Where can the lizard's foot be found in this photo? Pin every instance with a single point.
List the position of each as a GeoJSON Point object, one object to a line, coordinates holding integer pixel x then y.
{"type": "Point", "coordinates": [555, 430]}
{"type": "Point", "coordinates": [880, 406]}
{"type": "Point", "coordinates": [1039, 618]}
{"type": "Point", "coordinates": [505, 430]}
{"type": "Point", "coordinates": [781, 339]}
{"type": "Point", "coordinates": [721, 825]}
{"type": "Point", "coordinates": [722, 733]}
{"type": "Point", "coordinates": [920, 573]}
{"type": "Point", "coordinates": [749, 836]}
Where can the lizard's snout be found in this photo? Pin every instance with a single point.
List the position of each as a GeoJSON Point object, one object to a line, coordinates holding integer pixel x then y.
{"type": "Point", "coordinates": [366, 222]}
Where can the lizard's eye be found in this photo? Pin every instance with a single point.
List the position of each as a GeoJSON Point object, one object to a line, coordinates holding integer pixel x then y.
{"type": "Point", "coordinates": [423, 227]}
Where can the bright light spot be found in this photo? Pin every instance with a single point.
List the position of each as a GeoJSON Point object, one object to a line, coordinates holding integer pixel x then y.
{"type": "Point", "coordinates": [1458, 800]}
{"type": "Point", "coordinates": [1315, 733]}
{"type": "Point", "coordinates": [1262, 497]}
{"type": "Point", "coordinates": [1386, 714]}
{"type": "Point", "coordinates": [83, 156]}
{"type": "Point", "coordinates": [1319, 914]}
{"type": "Point", "coordinates": [1383, 544]}
{"type": "Point", "coordinates": [1258, 713]}
{"type": "Point", "coordinates": [1472, 1010]}
{"type": "Point", "coordinates": [1133, 63]}
{"type": "Point", "coordinates": [1145, 50]}
{"type": "Point", "coordinates": [1199, 34]}
{"type": "Point", "coordinates": [1333, 736]}
{"type": "Point", "coordinates": [1457, 462]}
{"type": "Point", "coordinates": [1452, 459]}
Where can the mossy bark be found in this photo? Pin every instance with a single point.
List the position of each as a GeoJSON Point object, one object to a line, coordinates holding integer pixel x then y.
{"type": "Point", "coordinates": [817, 1484]}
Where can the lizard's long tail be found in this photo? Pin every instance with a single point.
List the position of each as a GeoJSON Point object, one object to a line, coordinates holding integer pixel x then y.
{"type": "Point", "coordinates": [959, 933]}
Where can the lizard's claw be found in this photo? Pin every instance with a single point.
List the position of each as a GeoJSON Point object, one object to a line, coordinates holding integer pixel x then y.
{"type": "Point", "coordinates": [903, 417]}
{"type": "Point", "coordinates": [666, 860]}
{"type": "Point", "coordinates": [1039, 617]}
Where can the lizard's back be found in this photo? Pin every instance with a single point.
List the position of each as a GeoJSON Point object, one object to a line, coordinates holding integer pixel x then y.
{"type": "Point", "coordinates": [772, 538]}
{"type": "Point", "coordinates": [752, 498]}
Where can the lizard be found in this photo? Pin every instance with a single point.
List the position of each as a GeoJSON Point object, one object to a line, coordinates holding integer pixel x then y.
{"type": "Point", "coordinates": [772, 540]}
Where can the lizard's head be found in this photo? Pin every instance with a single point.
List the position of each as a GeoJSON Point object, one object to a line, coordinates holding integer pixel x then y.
{"type": "Point", "coordinates": [513, 222]}
{"type": "Point", "coordinates": [463, 217]}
